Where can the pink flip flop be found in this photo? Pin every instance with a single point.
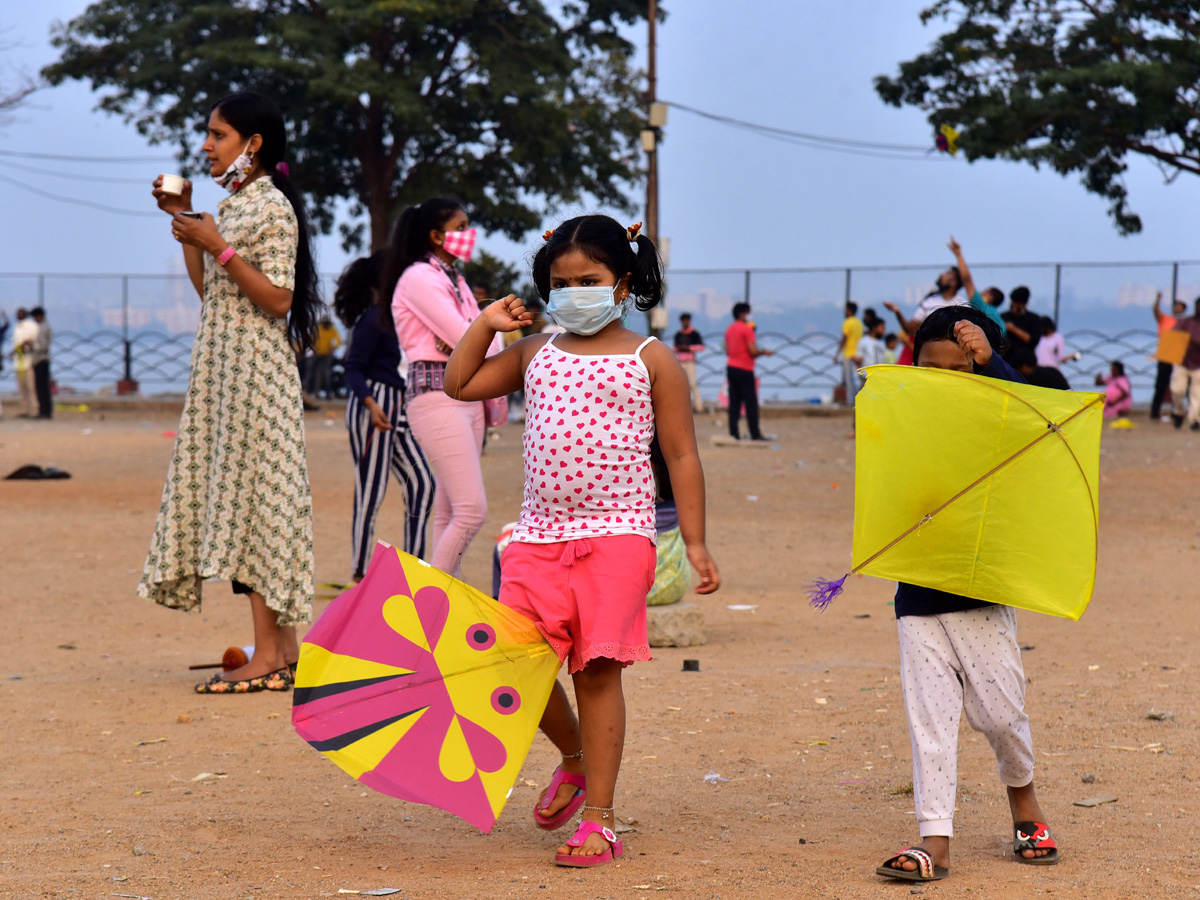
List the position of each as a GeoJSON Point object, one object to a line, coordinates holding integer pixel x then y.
{"type": "Point", "coordinates": [616, 848]}
{"type": "Point", "coordinates": [564, 815]}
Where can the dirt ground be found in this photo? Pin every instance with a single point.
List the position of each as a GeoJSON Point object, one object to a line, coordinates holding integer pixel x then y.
{"type": "Point", "coordinates": [104, 740]}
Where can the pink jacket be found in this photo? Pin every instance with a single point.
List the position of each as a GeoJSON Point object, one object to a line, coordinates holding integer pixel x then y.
{"type": "Point", "coordinates": [425, 308]}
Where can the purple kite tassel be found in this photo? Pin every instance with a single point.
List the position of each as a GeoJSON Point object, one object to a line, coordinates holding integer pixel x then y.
{"type": "Point", "coordinates": [822, 592]}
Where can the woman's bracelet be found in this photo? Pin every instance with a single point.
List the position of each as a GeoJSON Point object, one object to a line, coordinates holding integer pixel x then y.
{"type": "Point", "coordinates": [226, 255]}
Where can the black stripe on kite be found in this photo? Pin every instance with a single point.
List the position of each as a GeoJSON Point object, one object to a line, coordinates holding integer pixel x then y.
{"type": "Point", "coordinates": [345, 740]}
{"type": "Point", "coordinates": [302, 695]}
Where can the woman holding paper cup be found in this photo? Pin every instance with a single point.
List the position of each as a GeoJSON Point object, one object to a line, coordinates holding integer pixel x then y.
{"type": "Point", "coordinates": [237, 503]}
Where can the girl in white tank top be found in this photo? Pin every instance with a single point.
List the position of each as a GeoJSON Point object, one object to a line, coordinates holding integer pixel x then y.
{"type": "Point", "coordinates": [581, 560]}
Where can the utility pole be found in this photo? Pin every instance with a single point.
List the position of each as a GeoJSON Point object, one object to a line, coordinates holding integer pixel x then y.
{"type": "Point", "coordinates": [651, 145]}
{"type": "Point", "coordinates": [656, 118]}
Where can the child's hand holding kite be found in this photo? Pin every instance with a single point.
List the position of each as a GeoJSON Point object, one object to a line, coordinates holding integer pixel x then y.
{"type": "Point", "coordinates": [974, 343]}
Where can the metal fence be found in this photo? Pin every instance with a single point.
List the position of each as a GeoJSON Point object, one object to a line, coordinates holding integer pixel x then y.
{"type": "Point", "coordinates": [141, 327]}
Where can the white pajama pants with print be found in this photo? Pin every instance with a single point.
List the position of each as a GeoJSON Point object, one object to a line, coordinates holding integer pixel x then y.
{"type": "Point", "coordinates": [964, 660]}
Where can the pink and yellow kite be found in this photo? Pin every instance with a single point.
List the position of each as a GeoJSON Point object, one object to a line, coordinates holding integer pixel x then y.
{"type": "Point", "coordinates": [423, 688]}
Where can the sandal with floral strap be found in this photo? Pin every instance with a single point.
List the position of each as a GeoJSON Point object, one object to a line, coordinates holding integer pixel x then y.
{"type": "Point", "coordinates": [925, 870]}
{"type": "Point", "coordinates": [564, 815]}
{"type": "Point", "coordinates": [616, 847]}
{"type": "Point", "coordinates": [279, 680]}
{"type": "Point", "coordinates": [1034, 836]}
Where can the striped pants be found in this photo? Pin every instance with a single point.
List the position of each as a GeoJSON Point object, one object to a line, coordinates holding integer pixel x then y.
{"type": "Point", "coordinates": [375, 452]}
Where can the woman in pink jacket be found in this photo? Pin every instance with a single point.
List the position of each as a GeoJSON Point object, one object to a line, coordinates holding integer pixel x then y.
{"type": "Point", "coordinates": [432, 307]}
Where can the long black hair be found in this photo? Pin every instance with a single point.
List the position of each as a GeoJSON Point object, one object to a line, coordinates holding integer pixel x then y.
{"type": "Point", "coordinates": [410, 243]}
{"type": "Point", "coordinates": [939, 326]}
{"type": "Point", "coordinates": [604, 240]}
{"type": "Point", "coordinates": [250, 113]}
{"type": "Point", "coordinates": [357, 288]}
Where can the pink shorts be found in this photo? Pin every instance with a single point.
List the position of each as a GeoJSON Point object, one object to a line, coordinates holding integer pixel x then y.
{"type": "Point", "coordinates": [587, 597]}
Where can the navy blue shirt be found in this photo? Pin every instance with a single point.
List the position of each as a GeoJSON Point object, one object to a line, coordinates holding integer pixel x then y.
{"type": "Point", "coordinates": [913, 600]}
{"type": "Point", "coordinates": [374, 354]}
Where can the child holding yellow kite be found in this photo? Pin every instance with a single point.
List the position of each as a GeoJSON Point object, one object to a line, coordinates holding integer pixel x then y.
{"type": "Point", "coordinates": [956, 653]}
{"type": "Point", "coordinates": [582, 557]}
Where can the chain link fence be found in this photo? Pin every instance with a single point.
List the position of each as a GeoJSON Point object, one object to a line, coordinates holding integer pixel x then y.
{"type": "Point", "coordinates": [109, 328]}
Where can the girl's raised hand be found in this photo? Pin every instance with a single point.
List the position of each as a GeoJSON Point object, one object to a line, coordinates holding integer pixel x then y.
{"type": "Point", "coordinates": [507, 314]}
{"type": "Point", "coordinates": [974, 342]}
{"type": "Point", "coordinates": [710, 578]}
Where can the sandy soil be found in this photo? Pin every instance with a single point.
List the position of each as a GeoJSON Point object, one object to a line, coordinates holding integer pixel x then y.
{"type": "Point", "coordinates": [103, 738]}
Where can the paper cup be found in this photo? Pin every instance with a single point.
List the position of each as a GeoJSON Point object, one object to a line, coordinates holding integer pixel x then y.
{"type": "Point", "coordinates": [172, 184]}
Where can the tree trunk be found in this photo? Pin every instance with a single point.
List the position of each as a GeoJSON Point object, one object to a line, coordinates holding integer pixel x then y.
{"type": "Point", "coordinates": [379, 208]}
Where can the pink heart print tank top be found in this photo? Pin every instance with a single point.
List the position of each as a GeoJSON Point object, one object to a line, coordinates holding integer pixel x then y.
{"type": "Point", "coordinates": [588, 426]}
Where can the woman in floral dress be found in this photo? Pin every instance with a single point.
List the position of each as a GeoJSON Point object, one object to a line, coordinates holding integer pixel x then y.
{"type": "Point", "coordinates": [237, 503]}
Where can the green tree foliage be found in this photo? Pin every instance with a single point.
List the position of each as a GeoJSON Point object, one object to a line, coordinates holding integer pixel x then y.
{"type": "Point", "coordinates": [1076, 85]}
{"type": "Point", "coordinates": [498, 277]}
{"type": "Point", "coordinates": [507, 105]}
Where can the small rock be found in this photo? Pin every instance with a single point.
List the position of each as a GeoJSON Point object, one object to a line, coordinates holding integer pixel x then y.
{"type": "Point", "coordinates": [1097, 801]}
{"type": "Point", "coordinates": [139, 850]}
{"type": "Point", "coordinates": [802, 841]}
{"type": "Point", "coordinates": [1161, 715]}
{"type": "Point", "coordinates": [1088, 778]}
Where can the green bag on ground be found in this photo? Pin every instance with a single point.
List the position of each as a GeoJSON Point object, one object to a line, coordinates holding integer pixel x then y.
{"type": "Point", "coordinates": [672, 572]}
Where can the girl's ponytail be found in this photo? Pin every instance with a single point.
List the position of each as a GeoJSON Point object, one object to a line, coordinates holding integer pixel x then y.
{"type": "Point", "coordinates": [647, 281]}
{"type": "Point", "coordinates": [307, 304]}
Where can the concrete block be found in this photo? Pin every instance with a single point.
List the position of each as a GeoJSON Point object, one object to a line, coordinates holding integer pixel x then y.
{"type": "Point", "coordinates": [675, 625]}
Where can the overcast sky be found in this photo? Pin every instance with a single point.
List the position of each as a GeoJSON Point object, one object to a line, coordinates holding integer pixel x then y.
{"type": "Point", "coordinates": [729, 198]}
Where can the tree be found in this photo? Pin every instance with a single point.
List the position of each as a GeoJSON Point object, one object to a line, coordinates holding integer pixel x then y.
{"type": "Point", "coordinates": [1076, 85]}
{"type": "Point", "coordinates": [498, 277]}
{"type": "Point", "coordinates": [507, 106]}
{"type": "Point", "coordinates": [15, 87]}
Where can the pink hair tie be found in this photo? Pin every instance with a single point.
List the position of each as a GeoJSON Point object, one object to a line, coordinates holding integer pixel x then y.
{"type": "Point", "coordinates": [282, 168]}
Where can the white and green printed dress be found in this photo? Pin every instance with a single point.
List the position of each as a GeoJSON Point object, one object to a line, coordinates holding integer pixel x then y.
{"type": "Point", "coordinates": [237, 503]}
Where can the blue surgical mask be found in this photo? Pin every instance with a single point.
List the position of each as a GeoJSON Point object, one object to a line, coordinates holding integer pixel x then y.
{"type": "Point", "coordinates": [584, 310]}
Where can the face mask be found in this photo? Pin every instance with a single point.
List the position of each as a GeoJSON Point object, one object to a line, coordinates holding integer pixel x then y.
{"type": "Point", "coordinates": [460, 243]}
{"type": "Point", "coordinates": [235, 175]}
{"type": "Point", "coordinates": [584, 310]}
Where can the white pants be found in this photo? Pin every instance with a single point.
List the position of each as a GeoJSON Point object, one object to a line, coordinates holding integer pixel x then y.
{"type": "Point", "coordinates": [25, 384]}
{"type": "Point", "coordinates": [969, 660]}
{"type": "Point", "coordinates": [850, 379]}
{"type": "Point", "coordinates": [1180, 387]}
{"type": "Point", "coordinates": [689, 370]}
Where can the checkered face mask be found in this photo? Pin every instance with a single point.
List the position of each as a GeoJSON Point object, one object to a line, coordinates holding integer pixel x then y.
{"type": "Point", "coordinates": [460, 243]}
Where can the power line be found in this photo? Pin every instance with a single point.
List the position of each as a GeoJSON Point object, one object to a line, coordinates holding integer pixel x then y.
{"type": "Point", "coordinates": [816, 141]}
{"type": "Point", "coordinates": [59, 157]}
{"type": "Point", "coordinates": [74, 175]}
{"type": "Point", "coordinates": [76, 200]}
